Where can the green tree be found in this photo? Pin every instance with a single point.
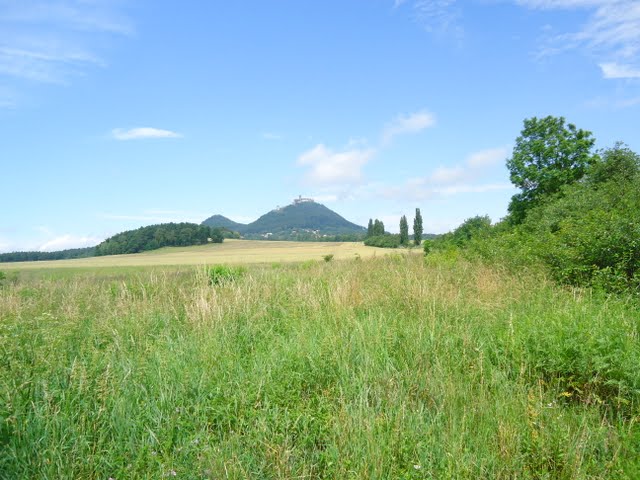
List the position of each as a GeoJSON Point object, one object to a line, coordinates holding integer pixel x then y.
{"type": "Point", "coordinates": [378, 228]}
{"type": "Point", "coordinates": [370, 228]}
{"type": "Point", "coordinates": [417, 228]}
{"type": "Point", "coordinates": [618, 163]}
{"type": "Point", "coordinates": [548, 155]}
{"type": "Point", "coordinates": [471, 228]}
{"type": "Point", "coordinates": [404, 230]}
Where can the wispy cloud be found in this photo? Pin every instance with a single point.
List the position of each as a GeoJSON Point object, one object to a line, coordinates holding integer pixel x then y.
{"type": "Point", "coordinates": [407, 123]}
{"type": "Point", "coordinates": [44, 67]}
{"type": "Point", "coordinates": [454, 180]}
{"type": "Point", "coordinates": [436, 16]}
{"type": "Point", "coordinates": [336, 168]}
{"type": "Point", "coordinates": [158, 216]}
{"type": "Point", "coordinates": [54, 41]}
{"type": "Point", "coordinates": [329, 198]}
{"type": "Point", "coordinates": [611, 32]}
{"type": "Point", "coordinates": [616, 70]}
{"type": "Point", "coordinates": [614, 102]}
{"type": "Point", "coordinates": [69, 241]}
{"type": "Point", "coordinates": [472, 188]}
{"type": "Point", "coordinates": [472, 166]}
{"type": "Point", "coordinates": [77, 15]}
{"type": "Point", "coordinates": [487, 158]}
{"type": "Point", "coordinates": [143, 132]}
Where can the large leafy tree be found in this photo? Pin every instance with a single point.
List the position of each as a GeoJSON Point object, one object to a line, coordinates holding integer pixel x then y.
{"type": "Point", "coordinates": [404, 230]}
{"type": "Point", "coordinates": [417, 227]}
{"type": "Point", "coordinates": [549, 153]}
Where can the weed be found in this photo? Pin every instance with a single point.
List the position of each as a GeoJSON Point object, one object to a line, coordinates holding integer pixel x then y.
{"type": "Point", "coordinates": [222, 274]}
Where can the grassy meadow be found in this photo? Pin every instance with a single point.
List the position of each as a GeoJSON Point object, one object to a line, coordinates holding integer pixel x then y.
{"type": "Point", "coordinates": [230, 252]}
{"type": "Point", "coordinates": [393, 367]}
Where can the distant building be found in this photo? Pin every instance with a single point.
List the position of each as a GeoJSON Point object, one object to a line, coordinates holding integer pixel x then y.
{"type": "Point", "coordinates": [301, 199]}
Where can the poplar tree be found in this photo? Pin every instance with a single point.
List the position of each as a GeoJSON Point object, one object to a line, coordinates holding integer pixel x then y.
{"type": "Point", "coordinates": [404, 230]}
{"type": "Point", "coordinates": [417, 228]}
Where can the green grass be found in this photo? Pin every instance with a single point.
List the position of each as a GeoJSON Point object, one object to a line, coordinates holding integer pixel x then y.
{"type": "Point", "coordinates": [377, 368]}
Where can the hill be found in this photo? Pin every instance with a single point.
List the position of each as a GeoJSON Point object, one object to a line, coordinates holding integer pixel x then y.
{"type": "Point", "coordinates": [153, 237]}
{"type": "Point", "coordinates": [219, 221]}
{"type": "Point", "coordinates": [304, 219]}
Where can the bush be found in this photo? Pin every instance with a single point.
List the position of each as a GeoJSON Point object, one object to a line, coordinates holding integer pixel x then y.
{"type": "Point", "coordinates": [222, 274]}
{"type": "Point", "coordinates": [427, 246]}
{"type": "Point", "coordinates": [328, 258]}
{"type": "Point", "coordinates": [383, 241]}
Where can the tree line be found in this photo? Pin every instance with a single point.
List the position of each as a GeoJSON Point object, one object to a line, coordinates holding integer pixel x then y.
{"type": "Point", "coordinates": [377, 237]}
{"type": "Point", "coordinates": [153, 237]}
{"type": "Point", "coordinates": [38, 256]}
{"type": "Point", "coordinates": [577, 212]}
{"type": "Point", "coordinates": [134, 241]}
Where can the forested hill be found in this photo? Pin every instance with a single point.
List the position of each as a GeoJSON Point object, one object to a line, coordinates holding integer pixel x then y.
{"type": "Point", "coordinates": [38, 256]}
{"type": "Point", "coordinates": [303, 219]}
{"type": "Point", "coordinates": [133, 241]}
{"type": "Point", "coordinates": [153, 237]}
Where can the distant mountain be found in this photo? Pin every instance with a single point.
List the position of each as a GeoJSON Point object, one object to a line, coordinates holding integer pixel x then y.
{"type": "Point", "coordinates": [218, 221]}
{"type": "Point", "coordinates": [304, 219]}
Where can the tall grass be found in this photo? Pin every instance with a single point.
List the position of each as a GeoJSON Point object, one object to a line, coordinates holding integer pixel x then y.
{"type": "Point", "coordinates": [384, 368]}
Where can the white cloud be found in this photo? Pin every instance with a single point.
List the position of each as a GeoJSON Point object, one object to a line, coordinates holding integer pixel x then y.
{"type": "Point", "coordinates": [453, 180]}
{"type": "Point", "coordinates": [325, 198]}
{"type": "Point", "coordinates": [64, 242]}
{"type": "Point", "coordinates": [616, 70]}
{"type": "Point", "coordinates": [614, 102]}
{"type": "Point", "coordinates": [329, 167]}
{"type": "Point", "coordinates": [436, 16]}
{"type": "Point", "coordinates": [487, 158]}
{"type": "Point", "coordinates": [158, 216]}
{"type": "Point", "coordinates": [470, 188]}
{"type": "Point", "coordinates": [334, 170]}
{"type": "Point", "coordinates": [143, 132]}
{"type": "Point", "coordinates": [471, 167]}
{"type": "Point", "coordinates": [73, 15]}
{"type": "Point", "coordinates": [405, 124]}
{"type": "Point", "coordinates": [612, 30]}
{"type": "Point", "coordinates": [54, 41]}
{"type": "Point", "coordinates": [446, 175]}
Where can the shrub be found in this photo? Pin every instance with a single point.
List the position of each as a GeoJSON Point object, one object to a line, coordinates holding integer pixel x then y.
{"type": "Point", "coordinates": [221, 274]}
{"type": "Point", "coordinates": [427, 246]}
{"type": "Point", "coordinates": [383, 241]}
{"type": "Point", "coordinates": [328, 258]}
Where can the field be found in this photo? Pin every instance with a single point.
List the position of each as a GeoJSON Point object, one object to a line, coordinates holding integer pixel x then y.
{"type": "Point", "coordinates": [393, 367]}
{"type": "Point", "coordinates": [229, 252]}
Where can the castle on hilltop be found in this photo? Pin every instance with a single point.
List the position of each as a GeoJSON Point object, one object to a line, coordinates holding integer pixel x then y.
{"type": "Point", "coordinates": [301, 199]}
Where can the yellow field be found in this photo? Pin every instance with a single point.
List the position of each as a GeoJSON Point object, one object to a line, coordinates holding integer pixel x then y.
{"type": "Point", "coordinates": [231, 252]}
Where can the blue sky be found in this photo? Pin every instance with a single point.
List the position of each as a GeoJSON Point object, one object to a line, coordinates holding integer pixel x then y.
{"type": "Point", "coordinates": [116, 114]}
